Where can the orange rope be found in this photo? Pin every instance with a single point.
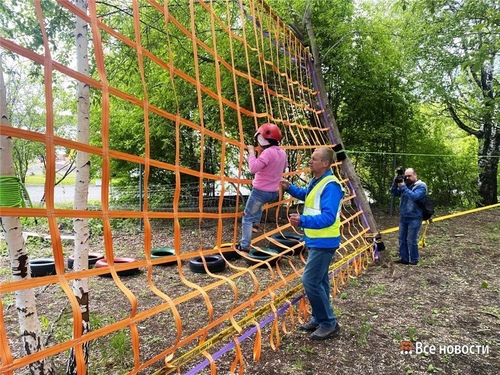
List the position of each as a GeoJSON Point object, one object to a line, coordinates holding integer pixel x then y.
{"type": "Point", "coordinates": [280, 91]}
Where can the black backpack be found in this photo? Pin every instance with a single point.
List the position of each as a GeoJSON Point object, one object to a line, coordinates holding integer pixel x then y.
{"type": "Point", "coordinates": [427, 206]}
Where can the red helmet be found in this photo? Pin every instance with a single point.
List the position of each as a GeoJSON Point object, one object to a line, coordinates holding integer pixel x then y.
{"type": "Point", "coordinates": [269, 131]}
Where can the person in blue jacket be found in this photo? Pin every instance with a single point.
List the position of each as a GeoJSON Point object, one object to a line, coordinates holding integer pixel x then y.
{"type": "Point", "coordinates": [320, 222]}
{"type": "Point", "coordinates": [411, 190]}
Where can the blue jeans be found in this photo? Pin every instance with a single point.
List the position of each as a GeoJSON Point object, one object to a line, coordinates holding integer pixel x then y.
{"type": "Point", "coordinates": [408, 238]}
{"type": "Point", "coordinates": [253, 213]}
{"type": "Point", "coordinates": [317, 286]}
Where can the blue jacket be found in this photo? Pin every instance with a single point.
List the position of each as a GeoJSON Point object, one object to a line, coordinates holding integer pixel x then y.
{"type": "Point", "coordinates": [408, 206]}
{"type": "Point", "coordinates": [330, 200]}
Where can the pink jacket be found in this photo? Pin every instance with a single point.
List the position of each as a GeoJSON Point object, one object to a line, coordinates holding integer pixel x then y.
{"type": "Point", "coordinates": [268, 168]}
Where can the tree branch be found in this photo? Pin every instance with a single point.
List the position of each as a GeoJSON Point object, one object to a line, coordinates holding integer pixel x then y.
{"type": "Point", "coordinates": [461, 124]}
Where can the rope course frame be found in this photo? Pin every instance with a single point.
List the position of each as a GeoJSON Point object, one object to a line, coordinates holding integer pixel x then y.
{"type": "Point", "coordinates": [283, 91]}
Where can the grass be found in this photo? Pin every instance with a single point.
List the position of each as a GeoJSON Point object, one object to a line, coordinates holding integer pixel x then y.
{"type": "Point", "coordinates": [365, 329]}
{"type": "Point", "coordinates": [39, 179]}
{"type": "Point", "coordinates": [376, 290]}
{"type": "Point", "coordinates": [299, 364]}
{"type": "Point", "coordinates": [493, 232]}
{"type": "Point", "coordinates": [121, 344]}
{"type": "Point", "coordinates": [354, 282]}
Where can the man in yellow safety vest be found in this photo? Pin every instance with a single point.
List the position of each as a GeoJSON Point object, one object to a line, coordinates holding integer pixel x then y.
{"type": "Point", "coordinates": [320, 221]}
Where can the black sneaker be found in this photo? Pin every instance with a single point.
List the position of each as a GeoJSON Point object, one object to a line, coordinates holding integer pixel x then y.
{"type": "Point", "coordinates": [323, 333]}
{"type": "Point", "coordinates": [309, 326]}
{"type": "Point", "coordinates": [239, 248]}
{"type": "Point", "coordinates": [413, 263]}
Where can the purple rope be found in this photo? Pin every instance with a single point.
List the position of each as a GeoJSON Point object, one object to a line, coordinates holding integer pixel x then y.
{"type": "Point", "coordinates": [241, 338]}
{"type": "Point", "coordinates": [375, 249]}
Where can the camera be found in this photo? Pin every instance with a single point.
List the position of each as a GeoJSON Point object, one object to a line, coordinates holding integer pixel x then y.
{"type": "Point", "coordinates": [400, 175]}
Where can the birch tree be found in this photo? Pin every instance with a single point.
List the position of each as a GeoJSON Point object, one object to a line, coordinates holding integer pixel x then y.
{"type": "Point", "coordinates": [80, 225]}
{"type": "Point", "coordinates": [29, 324]}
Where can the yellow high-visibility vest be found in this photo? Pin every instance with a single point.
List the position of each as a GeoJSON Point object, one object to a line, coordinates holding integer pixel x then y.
{"type": "Point", "coordinates": [312, 206]}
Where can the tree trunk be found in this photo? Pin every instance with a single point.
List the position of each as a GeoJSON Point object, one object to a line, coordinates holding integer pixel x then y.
{"type": "Point", "coordinates": [80, 225]}
{"type": "Point", "coordinates": [489, 145]}
{"type": "Point", "coordinates": [488, 135]}
{"type": "Point", "coordinates": [489, 149]}
{"type": "Point", "coordinates": [29, 325]}
{"type": "Point", "coordinates": [330, 122]}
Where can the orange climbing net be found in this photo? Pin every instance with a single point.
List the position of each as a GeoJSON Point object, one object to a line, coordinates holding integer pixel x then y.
{"type": "Point", "coordinates": [234, 47]}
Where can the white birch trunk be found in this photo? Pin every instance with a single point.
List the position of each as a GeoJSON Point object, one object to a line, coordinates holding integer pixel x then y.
{"type": "Point", "coordinates": [80, 225]}
{"type": "Point", "coordinates": [29, 325]}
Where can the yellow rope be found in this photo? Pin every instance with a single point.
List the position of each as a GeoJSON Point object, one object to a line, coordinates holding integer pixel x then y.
{"type": "Point", "coordinates": [422, 242]}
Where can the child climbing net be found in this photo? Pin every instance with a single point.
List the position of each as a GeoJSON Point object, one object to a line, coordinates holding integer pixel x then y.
{"type": "Point", "coordinates": [173, 92]}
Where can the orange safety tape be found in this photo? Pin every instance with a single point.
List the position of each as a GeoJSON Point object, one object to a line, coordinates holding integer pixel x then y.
{"type": "Point", "coordinates": [274, 336]}
{"type": "Point", "coordinates": [173, 70]}
{"type": "Point", "coordinates": [213, 368]}
{"type": "Point", "coordinates": [52, 214]}
{"type": "Point", "coordinates": [303, 311]}
{"type": "Point", "coordinates": [169, 351]}
{"type": "Point", "coordinates": [334, 286]}
{"type": "Point", "coordinates": [284, 249]}
{"type": "Point", "coordinates": [38, 212]}
{"type": "Point", "coordinates": [167, 360]}
{"type": "Point", "coordinates": [238, 358]}
{"type": "Point", "coordinates": [288, 315]}
{"type": "Point", "coordinates": [113, 327]}
{"type": "Point", "coordinates": [292, 266]}
{"type": "Point", "coordinates": [357, 265]}
{"type": "Point", "coordinates": [257, 346]}
{"type": "Point", "coordinates": [50, 173]}
{"type": "Point", "coordinates": [189, 354]}
{"type": "Point", "coordinates": [279, 271]}
{"type": "Point", "coordinates": [5, 353]}
{"type": "Point", "coordinates": [249, 303]}
{"type": "Point", "coordinates": [233, 321]}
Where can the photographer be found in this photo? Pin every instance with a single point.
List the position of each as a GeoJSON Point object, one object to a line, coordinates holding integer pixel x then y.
{"type": "Point", "coordinates": [407, 186]}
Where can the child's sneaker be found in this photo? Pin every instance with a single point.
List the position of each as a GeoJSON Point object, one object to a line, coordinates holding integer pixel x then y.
{"type": "Point", "coordinates": [239, 248]}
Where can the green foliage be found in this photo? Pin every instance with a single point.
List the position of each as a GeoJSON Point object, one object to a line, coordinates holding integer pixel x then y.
{"type": "Point", "coordinates": [377, 290]}
{"type": "Point", "coordinates": [387, 74]}
{"type": "Point", "coordinates": [412, 334]}
{"type": "Point", "coordinates": [121, 344]}
{"type": "Point", "coordinates": [168, 94]}
{"type": "Point", "coordinates": [365, 329]}
{"type": "Point", "coordinates": [390, 69]}
{"type": "Point", "coordinates": [354, 282]}
{"type": "Point", "coordinates": [454, 49]}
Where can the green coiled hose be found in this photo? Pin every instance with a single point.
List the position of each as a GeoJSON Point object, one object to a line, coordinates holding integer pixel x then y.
{"type": "Point", "coordinates": [11, 192]}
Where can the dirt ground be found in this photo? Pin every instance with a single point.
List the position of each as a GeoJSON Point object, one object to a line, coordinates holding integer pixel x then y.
{"type": "Point", "coordinates": [449, 305]}
{"type": "Point", "coordinates": [452, 298]}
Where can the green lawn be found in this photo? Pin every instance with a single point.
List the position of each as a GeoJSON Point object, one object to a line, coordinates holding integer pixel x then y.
{"type": "Point", "coordinates": [39, 179]}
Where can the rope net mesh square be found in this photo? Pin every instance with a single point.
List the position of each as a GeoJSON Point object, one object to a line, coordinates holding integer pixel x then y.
{"type": "Point", "coordinates": [177, 91]}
